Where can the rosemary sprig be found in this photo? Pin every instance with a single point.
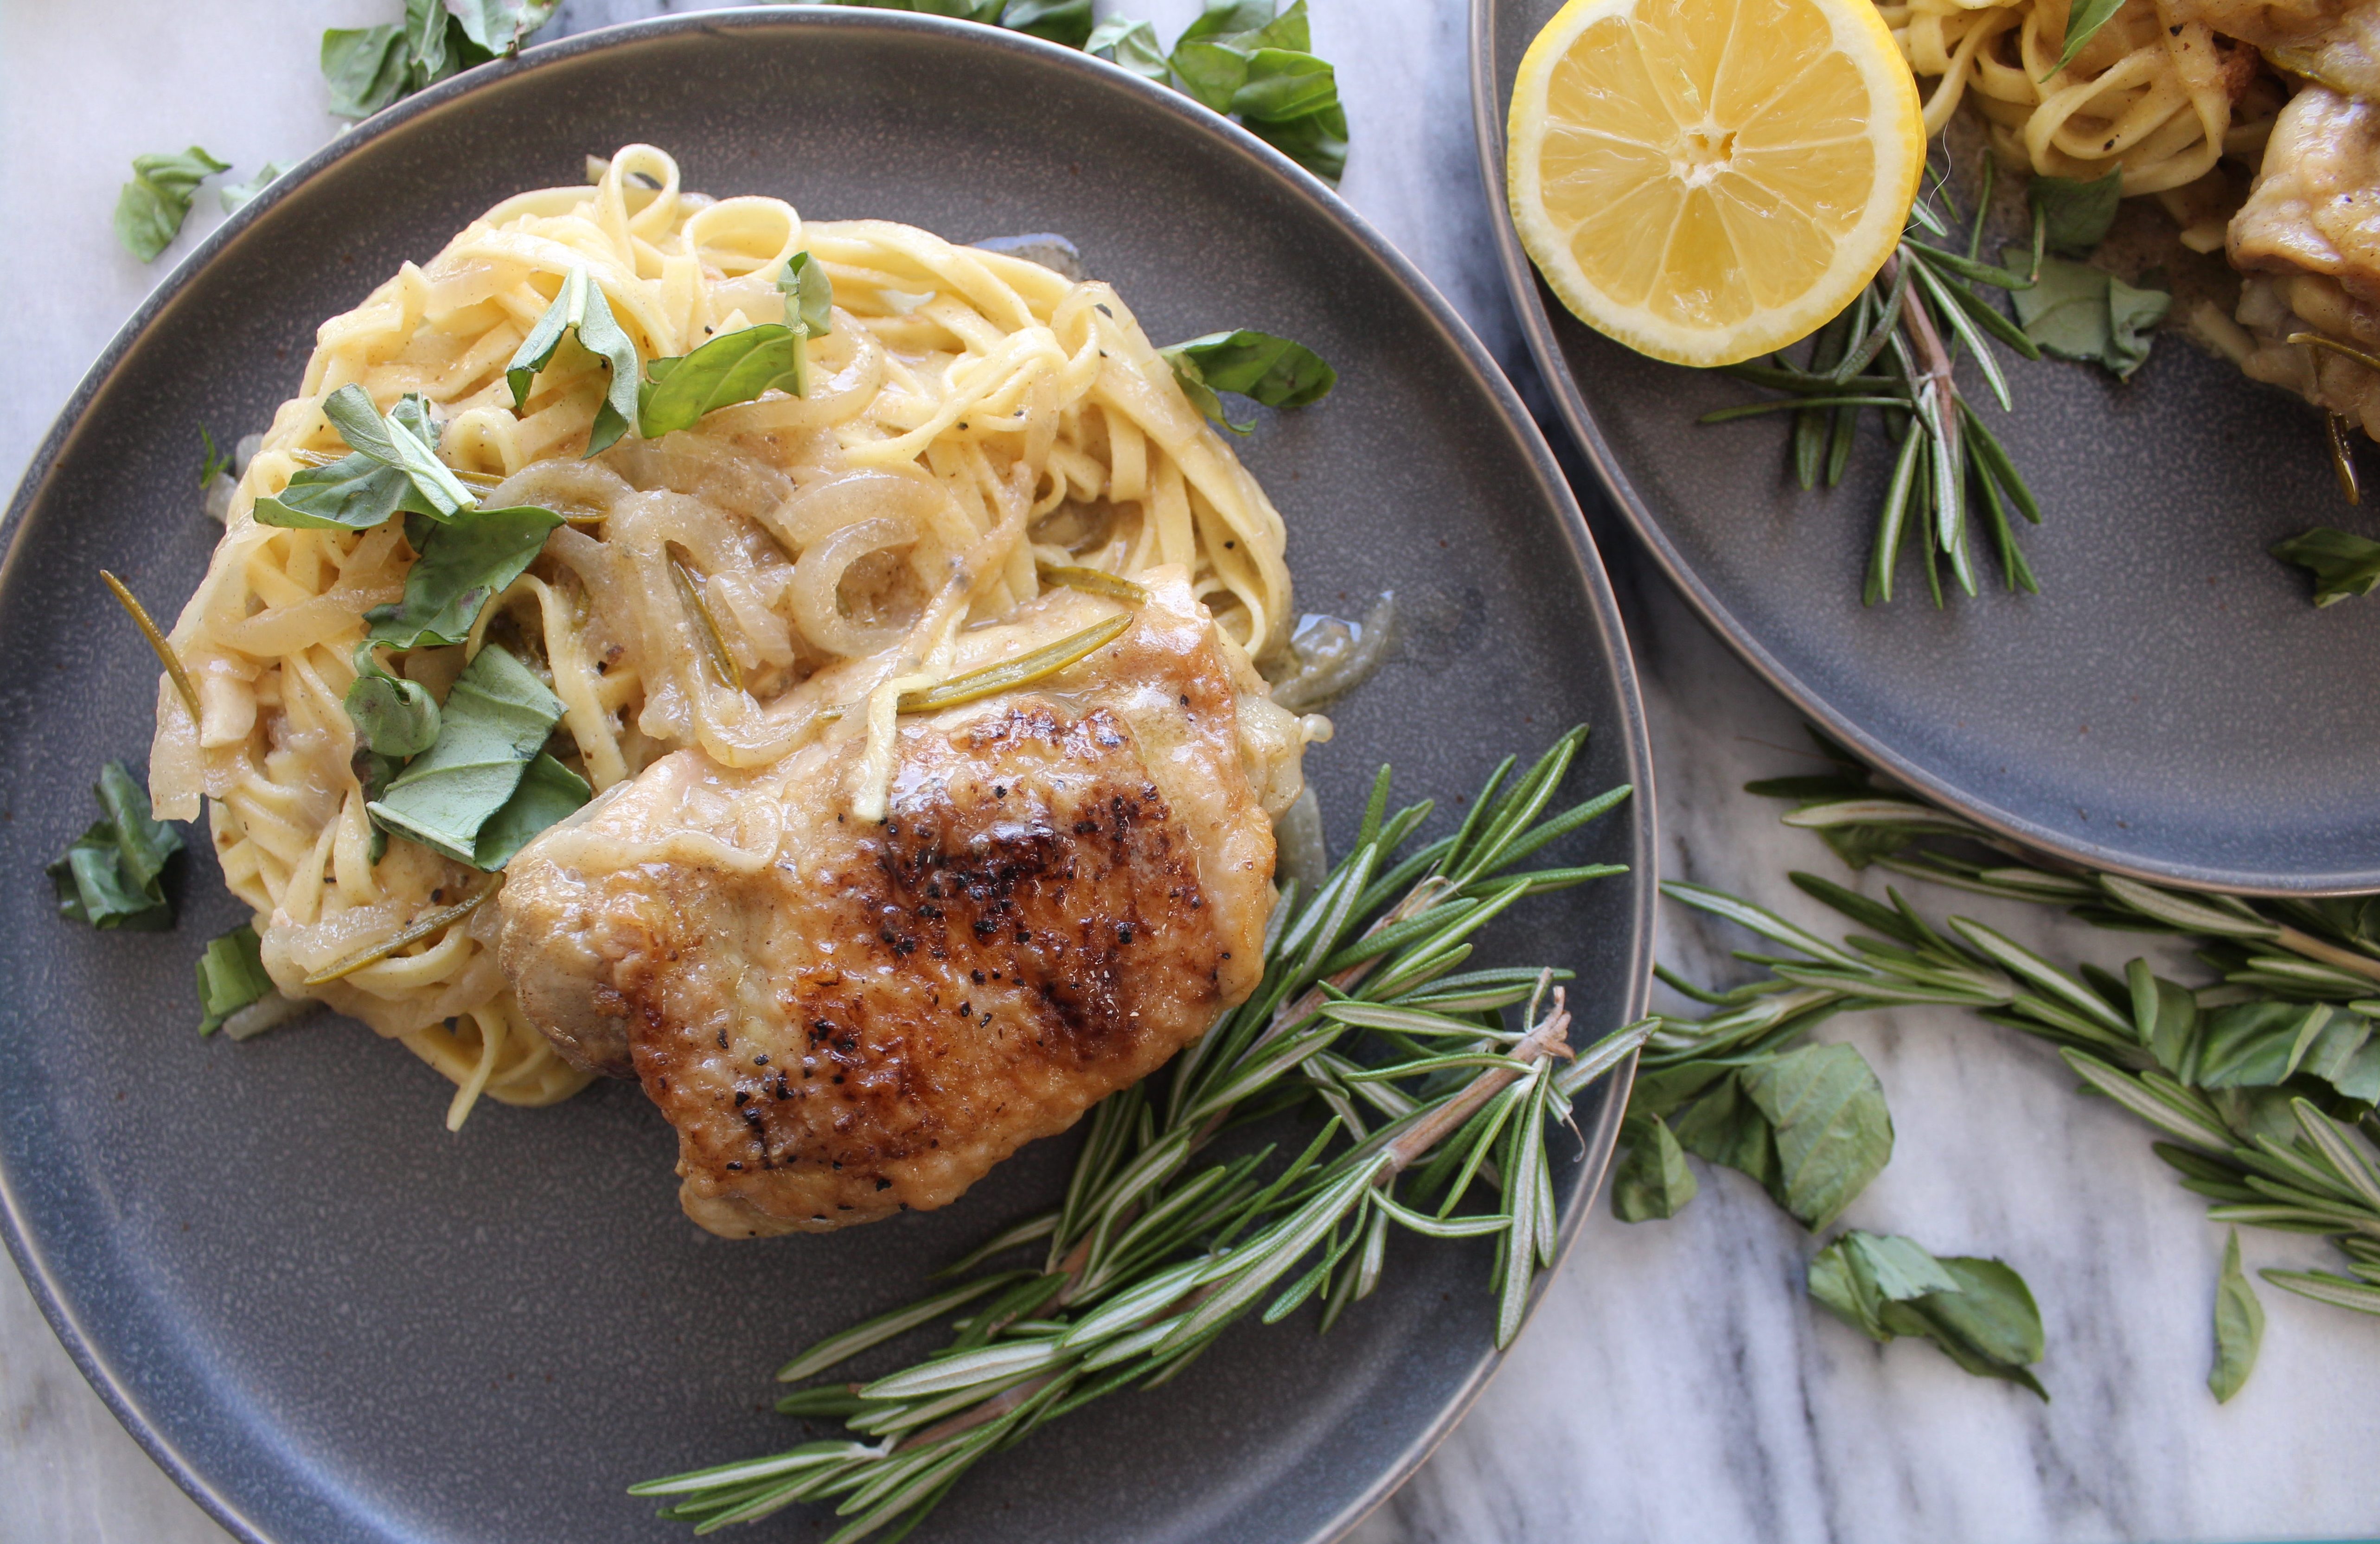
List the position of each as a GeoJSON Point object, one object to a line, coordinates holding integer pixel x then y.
{"type": "Point", "coordinates": [2262, 1081]}
{"type": "Point", "coordinates": [1432, 1100]}
{"type": "Point", "coordinates": [1896, 349]}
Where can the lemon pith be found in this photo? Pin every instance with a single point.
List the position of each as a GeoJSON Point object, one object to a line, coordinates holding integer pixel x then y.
{"type": "Point", "coordinates": [1707, 180]}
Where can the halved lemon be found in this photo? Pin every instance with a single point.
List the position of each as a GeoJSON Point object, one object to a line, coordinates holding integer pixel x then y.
{"type": "Point", "coordinates": [1707, 180]}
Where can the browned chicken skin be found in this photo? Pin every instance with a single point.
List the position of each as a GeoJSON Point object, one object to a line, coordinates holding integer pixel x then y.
{"type": "Point", "coordinates": [845, 1018]}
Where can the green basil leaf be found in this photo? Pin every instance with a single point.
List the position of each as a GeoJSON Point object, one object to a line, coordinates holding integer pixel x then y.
{"type": "Point", "coordinates": [2079, 312]}
{"type": "Point", "coordinates": [2342, 563]}
{"type": "Point", "coordinates": [1283, 84]}
{"type": "Point", "coordinates": [231, 975]}
{"type": "Point", "coordinates": [1663, 1090]}
{"type": "Point", "coordinates": [1272, 370]}
{"type": "Point", "coordinates": [152, 207]}
{"type": "Point", "coordinates": [548, 792]}
{"type": "Point", "coordinates": [498, 27]}
{"type": "Point", "coordinates": [365, 69]}
{"type": "Point", "coordinates": [1210, 73]}
{"type": "Point", "coordinates": [494, 722]}
{"type": "Point", "coordinates": [1898, 1268]}
{"type": "Point", "coordinates": [2133, 316]}
{"type": "Point", "coordinates": [1837, 1279]}
{"type": "Point", "coordinates": [732, 368]}
{"type": "Point", "coordinates": [1989, 1326]}
{"type": "Point", "coordinates": [1132, 44]}
{"type": "Point", "coordinates": [581, 307]}
{"type": "Point", "coordinates": [1833, 1132]}
{"type": "Point", "coordinates": [809, 295]}
{"type": "Point", "coordinates": [354, 493]}
{"type": "Point", "coordinates": [2252, 1045]}
{"type": "Point", "coordinates": [425, 43]}
{"type": "Point", "coordinates": [463, 565]}
{"type": "Point", "coordinates": [110, 876]}
{"type": "Point", "coordinates": [2083, 20]}
{"type": "Point", "coordinates": [1064, 21]}
{"type": "Point", "coordinates": [405, 439]}
{"type": "Point", "coordinates": [1725, 1126]}
{"type": "Point", "coordinates": [2238, 1326]}
{"type": "Point", "coordinates": [1318, 142]}
{"type": "Point", "coordinates": [1651, 1179]}
{"type": "Point", "coordinates": [2074, 215]}
{"type": "Point", "coordinates": [1231, 17]}
{"type": "Point", "coordinates": [238, 195]}
{"type": "Point", "coordinates": [395, 718]}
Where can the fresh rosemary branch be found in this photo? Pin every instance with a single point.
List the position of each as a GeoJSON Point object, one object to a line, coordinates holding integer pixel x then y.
{"type": "Point", "coordinates": [1896, 349]}
{"type": "Point", "coordinates": [2263, 1079]}
{"type": "Point", "coordinates": [1152, 1253]}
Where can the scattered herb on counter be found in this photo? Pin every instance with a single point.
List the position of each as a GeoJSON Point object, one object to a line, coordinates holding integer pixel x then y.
{"type": "Point", "coordinates": [2238, 1326]}
{"type": "Point", "coordinates": [2342, 564]}
{"type": "Point", "coordinates": [237, 196]}
{"type": "Point", "coordinates": [2263, 1081]}
{"type": "Point", "coordinates": [1978, 1311]}
{"type": "Point", "coordinates": [1248, 59]}
{"type": "Point", "coordinates": [150, 209]}
{"type": "Point", "coordinates": [1272, 371]}
{"type": "Point", "coordinates": [369, 67]}
{"type": "Point", "coordinates": [111, 875]}
{"type": "Point", "coordinates": [1430, 1092]}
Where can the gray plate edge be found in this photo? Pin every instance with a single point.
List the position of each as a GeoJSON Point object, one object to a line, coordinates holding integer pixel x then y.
{"type": "Point", "coordinates": [1485, 373]}
{"type": "Point", "coordinates": [1536, 323]}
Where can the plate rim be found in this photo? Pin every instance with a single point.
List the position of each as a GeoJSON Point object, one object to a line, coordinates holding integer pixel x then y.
{"type": "Point", "coordinates": [1521, 286]}
{"type": "Point", "coordinates": [64, 1317]}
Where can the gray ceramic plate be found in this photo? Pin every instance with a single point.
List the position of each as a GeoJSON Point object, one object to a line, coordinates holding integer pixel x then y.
{"type": "Point", "coordinates": [332, 1322]}
{"type": "Point", "coordinates": [2170, 706]}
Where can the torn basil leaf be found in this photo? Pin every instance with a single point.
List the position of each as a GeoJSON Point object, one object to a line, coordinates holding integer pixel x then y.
{"type": "Point", "coordinates": [152, 207]}
{"type": "Point", "coordinates": [1272, 372]}
{"type": "Point", "coordinates": [1283, 84]}
{"type": "Point", "coordinates": [2079, 312]}
{"type": "Point", "coordinates": [732, 368]}
{"type": "Point", "coordinates": [1239, 57]}
{"type": "Point", "coordinates": [1978, 1311]}
{"type": "Point", "coordinates": [2342, 564]}
{"type": "Point", "coordinates": [237, 196]}
{"type": "Point", "coordinates": [2074, 215]}
{"type": "Point", "coordinates": [809, 295]}
{"type": "Point", "coordinates": [1133, 44]}
{"type": "Point", "coordinates": [394, 466]}
{"type": "Point", "coordinates": [548, 792]}
{"type": "Point", "coordinates": [231, 975]}
{"type": "Point", "coordinates": [581, 307]}
{"type": "Point", "coordinates": [1652, 1179]}
{"type": "Point", "coordinates": [494, 723]}
{"type": "Point", "coordinates": [2082, 23]}
{"type": "Point", "coordinates": [463, 565]}
{"type": "Point", "coordinates": [2238, 1326]}
{"type": "Point", "coordinates": [395, 718]}
{"type": "Point", "coordinates": [1833, 1132]}
{"type": "Point", "coordinates": [1060, 21]}
{"type": "Point", "coordinates": [369, 67]}
{"type": "Point", "coordinates": [365, 67]}
{"type": "Point", "coordinates": [111, 875]}
{"type": "Point", "coordinates": [354, 493]}
{"type": "Point", "coordinates": [498, 27]}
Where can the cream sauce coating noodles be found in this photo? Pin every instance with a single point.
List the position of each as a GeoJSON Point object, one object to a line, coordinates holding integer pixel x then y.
{"type": "Point", "coordinates": [967, 414]}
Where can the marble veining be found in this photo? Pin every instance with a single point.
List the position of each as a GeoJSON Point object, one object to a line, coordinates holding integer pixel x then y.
{"type": "Point", "coordinates": [1676, 1385]}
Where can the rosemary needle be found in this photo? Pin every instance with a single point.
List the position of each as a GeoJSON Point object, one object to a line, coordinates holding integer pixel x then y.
{"type": "Point", "coordinates": [429, 922]}
{"type": "Point", "coordinates": [705, 626]}
{"type": "Point", "coordinates": [165, 650]}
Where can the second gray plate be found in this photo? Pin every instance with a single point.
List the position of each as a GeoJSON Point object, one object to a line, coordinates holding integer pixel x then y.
{"type": "Point", "coordinates": [334, 1322]}
{"type": "Point", "coordinates": [2170, 706]}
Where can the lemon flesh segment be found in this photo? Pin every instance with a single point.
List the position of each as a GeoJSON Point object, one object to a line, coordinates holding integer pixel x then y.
{"type": "Point", "coordinates": [1708, 180]}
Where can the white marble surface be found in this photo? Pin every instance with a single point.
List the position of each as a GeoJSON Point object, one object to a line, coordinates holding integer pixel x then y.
{"type": "Point", "coordinates": [1676, 1385]}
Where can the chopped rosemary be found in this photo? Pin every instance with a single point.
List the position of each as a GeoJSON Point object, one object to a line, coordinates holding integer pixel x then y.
{"type": "Point", "coordinates": [1023, 670]}
{"type": "Point", "coordinates": [705, 626]}
{"type": "Point", "coordinates": [1153, 1255]}
{"type": "Point", "coordinates": [157, 644]}
{"type": "Point", "coordinates": [1094, 581]}
{"type": "Point", "coordinates": [422, 927]}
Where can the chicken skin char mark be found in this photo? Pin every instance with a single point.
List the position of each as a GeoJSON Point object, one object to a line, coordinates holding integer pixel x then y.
{"type": "Point", "coordinates": [845, 1018]}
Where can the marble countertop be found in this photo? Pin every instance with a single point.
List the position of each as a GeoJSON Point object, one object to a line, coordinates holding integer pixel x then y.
{"type": "Point", "coordinates": [1676, 1385]}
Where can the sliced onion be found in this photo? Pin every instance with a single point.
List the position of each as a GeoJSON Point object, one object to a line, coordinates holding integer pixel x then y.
{"type": "Point", "coordinates": [818, 576]}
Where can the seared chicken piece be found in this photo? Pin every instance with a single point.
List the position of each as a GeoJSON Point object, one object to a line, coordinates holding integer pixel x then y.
{"type": "Point", "coordinates": [2334, 41]}
{"type": "Point", "coordinates": [2308, 240]}
{"type": "Point", "coordinates": [844, 1019]}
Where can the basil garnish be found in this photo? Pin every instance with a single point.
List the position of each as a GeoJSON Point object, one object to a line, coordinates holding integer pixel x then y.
{"type": "Point", "coordinates": [110, 876]}
{"type": "Point", "coordinates": [394, 466]}
{"type": "Point", "coordinates": [547, 793]}
{"type": "Point", "coordinates": [2079, 312]}
{"type": "Point", "coordinates": [581, 307]}
{"type": "Point", "coordinates": [737, 367]}
{"type": "Point", "coordinates": [493, 724]}
{"type": "Point", "coordinates": [395, 718]}
{"type": "Point", "coordinates": [462, 568]}
{"type": "Point", "coordinates": [2074, 217]}
{"type": "Point", "coordinates": [238, 195]}
{"type": "Point", "coordinates": [231, 975]}
{"type": "Point", "coordinates": [2082, 23]}
{"type": "Point", "coordinates": [1978, 1311]}
{"type": "Point", "coordinates": [2342, 563]}
{"type": "Point", "coordinates": [1272, 372]}
{"type": "Point", "coordinates": [150, 209]}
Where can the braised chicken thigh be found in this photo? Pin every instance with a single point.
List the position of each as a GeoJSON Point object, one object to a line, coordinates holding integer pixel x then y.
{"type": "Point", "coordinates": [847, 1018]}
